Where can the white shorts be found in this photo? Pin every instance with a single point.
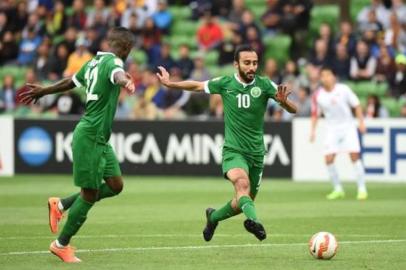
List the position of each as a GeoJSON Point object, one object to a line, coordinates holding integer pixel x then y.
{"type": "Point", "coordinates": [342, 141]}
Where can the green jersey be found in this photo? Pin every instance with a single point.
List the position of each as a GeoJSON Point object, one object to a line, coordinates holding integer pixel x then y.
{"type": "Point", "coordinates": [97, 76]}
{"type": "Point", "coordinates": [244, 109]}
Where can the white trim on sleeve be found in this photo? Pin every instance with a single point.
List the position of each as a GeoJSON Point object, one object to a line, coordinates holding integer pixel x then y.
{"type": "Point", "coordinates": [75, 81]}
{"type": "Point", "coordinates": [114, 72]}
{"type": "Point", "coordinates": [206, 87]}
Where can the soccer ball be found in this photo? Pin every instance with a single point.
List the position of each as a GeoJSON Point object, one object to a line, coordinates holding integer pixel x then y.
{"type": "Point", "coordinates": [323, 245]}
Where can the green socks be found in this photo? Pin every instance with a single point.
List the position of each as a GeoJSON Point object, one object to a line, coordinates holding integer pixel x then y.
{"type": "Point", "coordinates": [67, 202]}
{"type": "Point", "coordinates": [246, 204]}
{"type": "Point", "coordinates": [76, 218]}
{"type": "Point", "coordinates": [104, 192]}
{"type": "Point", "coordinates": [223, 213]}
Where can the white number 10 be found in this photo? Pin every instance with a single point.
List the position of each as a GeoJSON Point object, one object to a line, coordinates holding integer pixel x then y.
{"type": "Point", "coordinates": [243, 101]}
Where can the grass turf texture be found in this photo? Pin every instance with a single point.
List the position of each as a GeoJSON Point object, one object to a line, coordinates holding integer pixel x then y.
{"type": "Point", "coordinates": [156, 223]}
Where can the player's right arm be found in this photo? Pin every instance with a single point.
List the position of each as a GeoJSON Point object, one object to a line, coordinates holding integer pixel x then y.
{"type": "Point", "coordinates": [163, 76]}
{"type": "Point", "coordinates": [314, 117]}
{"type": "Point", "coordinates": [36, 91]}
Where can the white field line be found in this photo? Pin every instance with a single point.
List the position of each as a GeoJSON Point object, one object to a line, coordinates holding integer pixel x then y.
{"type": "Point", "coordinates": [138, 249]}
{"type": "Point", "coordinates": [176, 235]}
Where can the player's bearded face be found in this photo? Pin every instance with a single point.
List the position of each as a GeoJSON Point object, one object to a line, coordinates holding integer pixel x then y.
{"type": "Point", "coordinates": [247, 65]}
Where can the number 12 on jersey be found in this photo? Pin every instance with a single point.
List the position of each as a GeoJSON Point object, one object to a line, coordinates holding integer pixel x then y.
{"type": "Point", "coordinates": [91, 79]}
{"type": "Point", "coordinates": [243, 101]}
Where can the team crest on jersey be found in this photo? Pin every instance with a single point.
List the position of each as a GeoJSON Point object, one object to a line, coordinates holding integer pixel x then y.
{"type": "Point", "coordinates": [256, 92]}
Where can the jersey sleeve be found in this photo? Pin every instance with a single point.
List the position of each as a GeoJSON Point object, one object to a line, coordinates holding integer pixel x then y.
{"type": "Point", "coordinates": [272, 88]}
{"type": "Point", "coordinates": [352, 98]}
{"type": "Point", "coordinates": [79, 77]}
{"type": "Point", "coordinates": [214, 86]}
{"type": "Point", "coordinates": [114, 65]}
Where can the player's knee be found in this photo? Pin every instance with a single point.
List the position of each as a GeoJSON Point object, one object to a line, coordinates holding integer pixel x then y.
{"type": "Point", "coordinates": [243, 186]}
{"type": "Point", "coordinates": [118, 186]}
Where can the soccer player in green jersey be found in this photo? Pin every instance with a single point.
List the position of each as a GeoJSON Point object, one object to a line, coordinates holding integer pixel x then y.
{"type": "Point", "coordinates": [93, 157]}
{"type": "Point", "coordinates": [245, 97]}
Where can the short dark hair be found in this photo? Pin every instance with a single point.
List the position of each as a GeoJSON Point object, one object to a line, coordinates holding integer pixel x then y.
{"type": "Point", "coordinates": [328, 68]}
{"type": "Point", "coordinates": [242, 48]}
{"type": "Point", "coordinates": [120, 37]}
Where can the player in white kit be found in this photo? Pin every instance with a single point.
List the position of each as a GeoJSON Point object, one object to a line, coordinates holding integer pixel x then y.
{"type": "Point", "coordinates": [336, 102]}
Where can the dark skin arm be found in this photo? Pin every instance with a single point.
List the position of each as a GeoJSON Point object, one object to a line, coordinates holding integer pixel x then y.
{"type": "Point", "coordinates": [37, 91]}
{"type": "Point", "coordinates": [281, 97]}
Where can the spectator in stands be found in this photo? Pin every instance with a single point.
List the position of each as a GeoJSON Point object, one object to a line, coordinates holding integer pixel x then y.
{"type": "Point", "coordinates": [403, 111]}
{"type": "Point", "coordinates": [321, 57]}
{"type": "Point", "coordinates": [325, 33]}
{"type": "Point", "coordinates": [78, 58]}
{"type": "Point", "coordinates": [8, 48]}
{"type": "Point", "coordinates": [271, 71]}
{"type": "Point", "coordinates": [399, 88]}
{"type": "Point", "coordinates": [371, 24]}
{"type": "Point", "coordinates": [165, 59]}
{"type": "Point", "coordinates": [346, 37]}
{"type": "Point", "coordinates": [28, 47]}
{"type": "Point", "coordinates": [363, 65]}
{"type": "Point", "coordinates": [247, 22]}
{"type": "Point", "coordinates": [399, 7]}
{"type": "Point", "coordinates": [134, 9]}
{"type": "Point", "coordinates": [3, 24]}
{"type": "Point", "coordinates": [302, 98]}
{"type": "Point", "coordinates": [291, 75]}
{"type": "Point", "coordinates": [374, 108]}
{"type": "Point", "coordinates": [18, 17]}
{"type": "Point", "coordinates": [311, 78]}
{"type": "Point", "coordinates": [93, 39]}
{"type": "Point", "coordinates": [386, 67]}
{"type": "Point", "coordinates": [99, 12]}
{"type": "Point", "coordinates": [271, 19]}
{"type": "Point", "coordinates": [199, 7]}
{"type": "Point", "coordinates": [255, 41]}
{"type": "Point", "coordinates": [41, 62]}
{"type": "Point", "coordinates": [162, 17]}
{"type": "Point", "coordinates": [67, 103]}
{"type": "Point", "coordinates": [341, 63]}
{"type": "Point", "coordinates": [79, 16]}
{"type": "Point", "coordinates": [236, 11]}
{"type": "Point", "coordinates": [58, 62]}
{"type": "Point", "coordinates": [7, 95]}
{"type": "Point", "coordinates": [209, 34]}
{"type": "Point", "coordinates": [56, 21]}
{"type": "Point", "coordinates": [34, 23]}
{"type": "Point", "coordinates": [227, 47]}
{"type": "Point", "coordinates": [200, 72]}
{"type": "Point", "coordinates": [151, 39]}
{"type": "Point", "coordinates": [382, 13]}
{"type": "Point", "coordinates": [185, 63]}
{"type": "Point", "coordinates": [144, 108]}
{"type": "Point", "coordinates": [221, 8]}
{"type": "Point", "coordinates": [295, 22]}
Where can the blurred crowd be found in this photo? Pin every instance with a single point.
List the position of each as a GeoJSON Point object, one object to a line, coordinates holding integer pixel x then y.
{"type": "Point", "coordinates": [52, 39]}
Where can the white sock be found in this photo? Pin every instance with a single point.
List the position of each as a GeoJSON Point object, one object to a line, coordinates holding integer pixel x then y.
{"type": "Point", "coordinates": [360, 173]}
{"type": "Point", "coordinates": [60, 206]}
{"type": "Point", "coordinates": [59, 245]}
{"type": "Point", "coordinates": [334, 177]}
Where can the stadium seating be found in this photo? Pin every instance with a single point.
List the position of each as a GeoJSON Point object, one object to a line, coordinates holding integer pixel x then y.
{"type": "Point", "coordinates": [324, 14]}
{"type": "Point", "coordinates": [277, 47]}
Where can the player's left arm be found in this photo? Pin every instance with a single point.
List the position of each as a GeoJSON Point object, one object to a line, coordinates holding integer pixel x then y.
{"type": "Point", "coordinates": [281, 97]}
{"type": "Point", "coordinates": [124, 80]}
{"type": "Point", "coordinates": [37, 91]}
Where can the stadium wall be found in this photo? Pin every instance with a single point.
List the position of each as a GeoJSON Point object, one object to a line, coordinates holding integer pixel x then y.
{"type": "Point", "coordinates": [383, 152]}
{"type": "Point", "coordinates": [147, 147]}
{"type": "Point", "coordinates": [6, 146]}
{"type": "Point", "coordinates": [194, 148]}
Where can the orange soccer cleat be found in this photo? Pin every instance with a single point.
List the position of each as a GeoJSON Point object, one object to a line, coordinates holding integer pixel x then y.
{"type": "Point", "coordinates": [55, 215]}
{"type": "Point", "coordinates": [66, 254]}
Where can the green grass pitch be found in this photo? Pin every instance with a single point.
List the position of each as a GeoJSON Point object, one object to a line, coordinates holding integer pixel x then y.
{"type": "Point", "coordinates": [156, 223]}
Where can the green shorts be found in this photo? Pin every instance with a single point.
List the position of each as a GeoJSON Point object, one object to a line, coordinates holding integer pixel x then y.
{"type": "Point", "coordinates": [253, 165]}
{"type": "Point", "coordinates": [92, 161]}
